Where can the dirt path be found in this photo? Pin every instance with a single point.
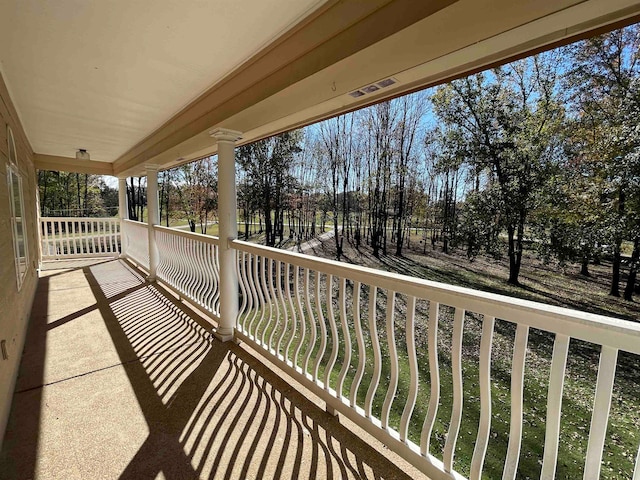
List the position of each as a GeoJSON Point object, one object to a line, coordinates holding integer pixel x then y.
{"type": "Point", "coordinates": [314, 243]}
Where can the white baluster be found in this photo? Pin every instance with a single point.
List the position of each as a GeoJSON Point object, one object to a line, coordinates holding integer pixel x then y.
{"type": "Point", "coordinates": [482, 440]}
{"type": "Point", "coordinates": [413, 369]}
{"type": "Point", "coordinates": [323, 327]}
{"type": "Point", "coordinates": [393, 358]}
{"type": "Point", "coordinates": [362, 356]}
{"type": "Point", "coordinates": [346, 361]}
{"type": "Point", "coordinates": [601, 407]}
{"type": "Point", "coordinates": [334, 333]}
{"type": "Point", "coordinates": [312, 320]}
{"type": "Point", "coordinates": [300, 315]}
{"type": "Point", "coordinates": [434, 374]}
{"type": "Point", "coordinates": [554, 406]}
{"type": "Point", "coordinates": [517, 390]}
{"type": "Point", "coordinates": [377, 356]}
{"type": "Point", "coordinates": [456, 413]}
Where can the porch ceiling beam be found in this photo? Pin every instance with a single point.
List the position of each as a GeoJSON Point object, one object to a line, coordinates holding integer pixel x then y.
{"type": "Point", "coordinates": [73, 165]}
{"type": "Point", "coordinates": [335, 32]}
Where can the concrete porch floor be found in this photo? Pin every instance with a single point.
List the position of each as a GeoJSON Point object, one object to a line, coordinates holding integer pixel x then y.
{"type": "Point", "coordinates": [121, 380]}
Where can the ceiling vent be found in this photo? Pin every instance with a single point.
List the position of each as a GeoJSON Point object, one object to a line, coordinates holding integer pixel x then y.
{"type": "Point", "coordinates": [387, 82]}
{"type": "Point", "coordinates": [374, 87]}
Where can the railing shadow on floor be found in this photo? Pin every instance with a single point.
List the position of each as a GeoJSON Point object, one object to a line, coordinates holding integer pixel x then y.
{"type": "Point", "coordinates": [215, 410]}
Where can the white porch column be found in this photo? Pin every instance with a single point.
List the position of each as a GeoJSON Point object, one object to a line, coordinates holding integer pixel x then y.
{"type": "Point", "coordinates": [123, 212]}
{"type": "Point", "coordinates": [228, 230]}
{"type": "Point", "coordinates": [153, 215]}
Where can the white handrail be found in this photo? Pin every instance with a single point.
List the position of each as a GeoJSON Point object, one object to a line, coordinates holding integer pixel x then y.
{"type": "Point", "coordinates": [190, 235]}
{"type": "Point", "coordinates": [79, 219]}
{"type": "Point", "coordinates": [76, 237]}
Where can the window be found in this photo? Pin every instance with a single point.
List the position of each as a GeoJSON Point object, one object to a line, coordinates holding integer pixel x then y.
{"type": "Point", "coordinates": [16, 210]}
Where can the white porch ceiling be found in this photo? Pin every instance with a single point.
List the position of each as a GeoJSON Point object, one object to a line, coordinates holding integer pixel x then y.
{"type": "Point", "coordinates": [103, 75]}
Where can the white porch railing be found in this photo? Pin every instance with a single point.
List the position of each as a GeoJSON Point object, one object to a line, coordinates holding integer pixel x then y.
{"type": "Point", "coordinates": [333, 326]}
{"type": "Point", "coordinates": [189, 263]}
{"type": "Point", "coordinates": [136, 242]}
{"type": "Point", "coordinates": [354, 336]}
{"type": "Point", "coordinates": [76, 237]}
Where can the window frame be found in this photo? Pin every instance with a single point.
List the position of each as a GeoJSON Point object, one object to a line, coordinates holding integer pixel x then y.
{"type": "Point", "coordinates": [16, 210]}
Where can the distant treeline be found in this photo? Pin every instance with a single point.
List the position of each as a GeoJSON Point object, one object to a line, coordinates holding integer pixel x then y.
{"type": "Point", "coordinates": [75, 195]}
{"type": "Point", "coordinates": [543, 152]}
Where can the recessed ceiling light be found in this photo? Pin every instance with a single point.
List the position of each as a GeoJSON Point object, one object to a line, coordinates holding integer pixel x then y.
{"type": "Point", "coordinates": [370, 88]}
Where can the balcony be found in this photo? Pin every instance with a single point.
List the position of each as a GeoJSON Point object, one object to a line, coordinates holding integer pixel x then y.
{"type": "Point", "coordinates": [179, 355]}
{"type": "Point", "coordinates": [123, 377]}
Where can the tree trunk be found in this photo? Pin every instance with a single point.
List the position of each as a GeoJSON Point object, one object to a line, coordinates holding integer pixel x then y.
{"type": "Point", "coordinates": [584, 269]}
{"type": "Point", "coordinates": [131, 204]}
{"type": "Point", "coordinates": [345, 208]}
{"type": "Point", "coordinates": [78, 197]}
{"type": "Point", "coordinates": [86, 195]}
{"type": "Point", "coordinates": [399, 230]}
{"type": "Point", "coordinates": [43, 198]}
{"type": "Point", "coordinates": [246, 225]}
{"type": "Point", "coordinates": [515, 261]}
{"type": "Point", "coordinates": [445, 216]}
{"type": "Point", "coordinates": [514, 264]}
{"type": "Point", "coordinates": [167, 199]}
{"type": "Point", "coordinates": [162, 184]}
{"type": "Point", "coordinates": [615, 271]}
{"type": "Point", "coordinates": [617, 257]}
{"type": "Point", "coordinates": [139, 202]}
{"type": "Point", "coordinates": [384, 237]}
{"type": "Point", "coordinates": [268, 229]}
{"type": "Point", "coordinates": [338, 237]}
{"type": "Point", "coordinates": [633, 270]}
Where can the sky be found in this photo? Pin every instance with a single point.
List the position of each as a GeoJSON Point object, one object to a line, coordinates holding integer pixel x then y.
{"type": "Point", "coordinates": [110, 181]}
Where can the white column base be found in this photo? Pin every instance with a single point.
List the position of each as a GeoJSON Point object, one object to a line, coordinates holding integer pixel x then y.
{"type": "Point", "coordinates": [225, 336]}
